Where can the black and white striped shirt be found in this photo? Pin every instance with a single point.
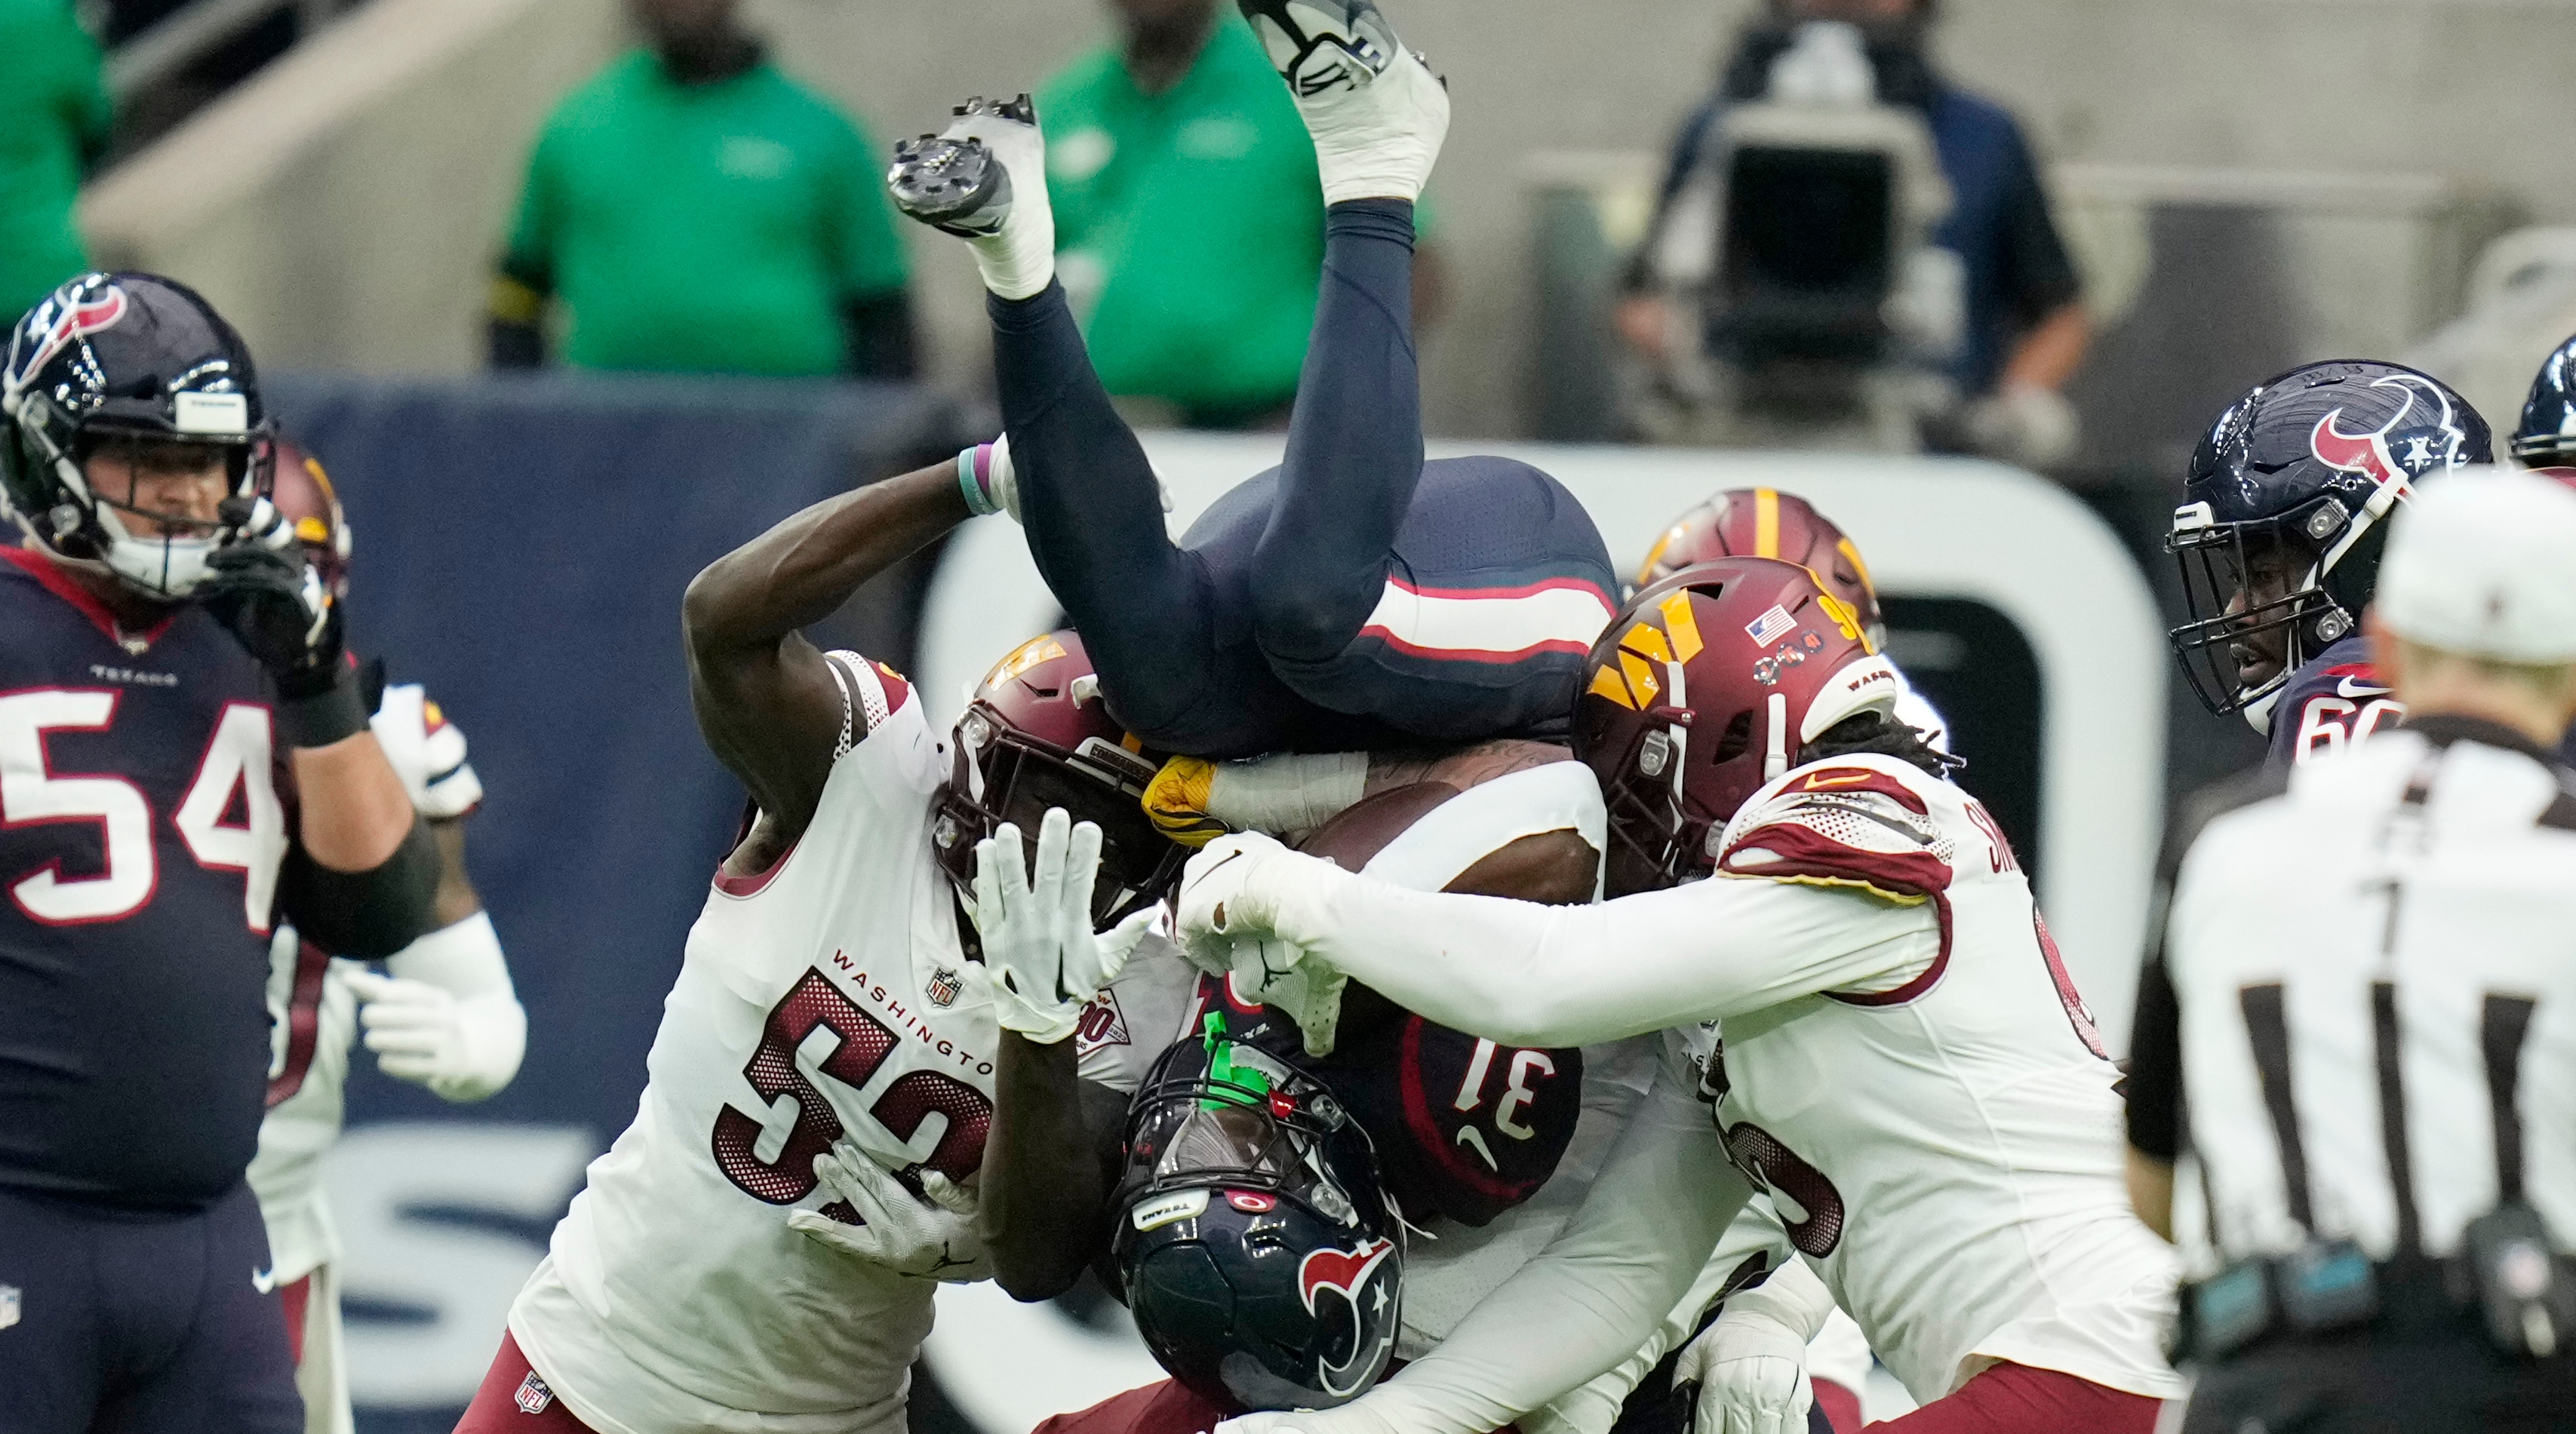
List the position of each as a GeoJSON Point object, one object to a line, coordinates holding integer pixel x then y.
{"type": "Point", "coordinates": [2367, 985]}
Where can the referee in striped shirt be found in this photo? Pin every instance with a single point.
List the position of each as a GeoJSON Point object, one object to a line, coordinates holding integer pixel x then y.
{"type": "Point", "coordinates": [2361, 1019]}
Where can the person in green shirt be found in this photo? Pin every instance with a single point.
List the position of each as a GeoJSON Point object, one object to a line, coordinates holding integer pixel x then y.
{"type": "Point", "coordinates": [54, 123]}
{"type": "Point", "coordinates": [693, 210]}
{"type": "Point", "coordinates": [1189, 221]}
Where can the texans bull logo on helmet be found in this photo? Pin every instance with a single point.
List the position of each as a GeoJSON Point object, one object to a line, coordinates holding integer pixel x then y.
{"type": "Point", "coordinates": [67, 315]}
{"type": "Point", "coordinates": [1351, 1277]}
{"type": "Point", "coordinates": [2397, 451]}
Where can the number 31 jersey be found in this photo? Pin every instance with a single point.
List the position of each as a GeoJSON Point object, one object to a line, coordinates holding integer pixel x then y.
{"type": "Point", "coordinates": [828, 995]}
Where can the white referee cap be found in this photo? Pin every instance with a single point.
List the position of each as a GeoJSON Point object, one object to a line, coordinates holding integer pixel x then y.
{"type": "Point", "coordinates": [2483, 563]}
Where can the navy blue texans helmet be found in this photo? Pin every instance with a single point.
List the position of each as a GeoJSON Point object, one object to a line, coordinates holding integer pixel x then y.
{"type": "Point", "coordinates": [2284, 514]}
{"type": "Point", "coordinates": [1257, 1250]}
{"type": "Point", "coordinates": [134, 359]}
{"type": "Point", "coordinates": [2546, 437]}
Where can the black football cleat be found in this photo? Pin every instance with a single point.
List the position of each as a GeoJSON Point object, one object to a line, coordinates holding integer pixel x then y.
{"type": "Point", "coordinates": [956, 181]}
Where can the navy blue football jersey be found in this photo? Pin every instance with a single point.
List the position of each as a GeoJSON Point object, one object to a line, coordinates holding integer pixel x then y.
{"type": "Point", "coordinates": [2335, 700]}
{"type": "Point", "coordinates": [1463, 1127]}
{"type": "Point", "coordinates": [144, 817]}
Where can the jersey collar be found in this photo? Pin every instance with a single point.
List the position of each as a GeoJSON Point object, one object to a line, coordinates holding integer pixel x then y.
{"type": "Point", "coordinates": [53, 579]}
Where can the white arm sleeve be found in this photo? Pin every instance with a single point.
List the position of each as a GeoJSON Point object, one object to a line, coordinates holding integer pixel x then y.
{"type": "Point", "coordinates": [489, 1025]}
{"type": "Point", "coordinates": [1536, 975]}
{"type": "Point", "coordinates": [1754, 1235]}
{"type": "Point", "coordinates": [1595, 1294]}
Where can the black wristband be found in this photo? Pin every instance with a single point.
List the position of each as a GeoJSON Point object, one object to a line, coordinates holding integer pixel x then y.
{"type": "Point", "coordinates": [335, 713]}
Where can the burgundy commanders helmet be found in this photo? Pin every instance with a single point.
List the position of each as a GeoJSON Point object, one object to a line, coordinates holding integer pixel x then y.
{"type": "Point", "coordinates": [305, 498]}
{"type": "Point", "coordinates": [1037, 735]}
{"type": "Point", "coordinates": [1706, 686]}
{"type": "Point", "coordinates": [1767, 523]}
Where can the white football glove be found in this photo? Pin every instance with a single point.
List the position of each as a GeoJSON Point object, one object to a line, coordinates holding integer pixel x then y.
{"type": "Point", "coordinates": [926, 1241]}
{"type": "Point", "coordinates": [447, 1017]}
{"type": "Point", "coordinates": [1230, 896]}
{"type": "Point", "coordinates": [1040, 953]}
{"type": "Point", "coordinates": [1751, 1364]}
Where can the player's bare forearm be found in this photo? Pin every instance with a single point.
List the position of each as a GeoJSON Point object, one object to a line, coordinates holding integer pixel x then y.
{"type": "Point", "coordinates": [353, 810]}
{"type": "Point", "coordinates": [2151, 1191]}
{"type": "Point", "coordinates": [1460, 767]}
{"type": "Point", "coordinates": [457, 898]}
{"type": "Point", "coordinates": [764, 698]}
{"type": "Point", "coordinates": [1045, 1196]}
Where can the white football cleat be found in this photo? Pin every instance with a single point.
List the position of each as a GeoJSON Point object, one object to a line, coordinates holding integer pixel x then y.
{"type": "Point", "coordinates": [983, 179]}
{"type": "Point", "coordinates": [1374, 109]}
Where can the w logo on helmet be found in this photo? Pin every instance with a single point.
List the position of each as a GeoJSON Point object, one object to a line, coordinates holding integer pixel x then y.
{"type": "Point", "coordinates": [2387, 457]}
{"type": "Point", "coordinates": [1629, 681]}
{"type": "Point", "coordinates": [1353, 1278]}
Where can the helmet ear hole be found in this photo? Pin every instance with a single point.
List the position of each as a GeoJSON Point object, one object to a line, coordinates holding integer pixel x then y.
{"type": "Point", "coordinates": [1737, 739]}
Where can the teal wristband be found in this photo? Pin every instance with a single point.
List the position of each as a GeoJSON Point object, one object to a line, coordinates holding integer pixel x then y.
{"type": "Point", "coordinates": [973, 466]}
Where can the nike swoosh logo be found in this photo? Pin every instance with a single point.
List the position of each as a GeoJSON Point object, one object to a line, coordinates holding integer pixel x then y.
{"type": "Point", "coordinates": [2349, 688]}
{"type": "Point", "coordinates": [1470, 1136]}
{"type": "Point", "coordinates": [264, 1281]}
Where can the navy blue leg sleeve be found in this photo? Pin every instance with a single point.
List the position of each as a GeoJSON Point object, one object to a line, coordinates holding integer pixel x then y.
{"type": "Point", "coordinates": [1094, 516]}
{"type": "Point", "coordinates": [1354, 444]}
{"type": "Point", "coordinates": [1453, 600]}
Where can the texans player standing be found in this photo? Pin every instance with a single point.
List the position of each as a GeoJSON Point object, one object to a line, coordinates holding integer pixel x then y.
{"type": "Point", "coordinates": [158, 652]}
{"type": "Point", "coordinates": [2285, 511]}
{"type": "Point", "coordinates": [442, 1015]}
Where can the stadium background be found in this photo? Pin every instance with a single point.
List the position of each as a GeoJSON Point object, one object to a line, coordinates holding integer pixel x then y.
{"type": "Point", "coordinates": [2247, 184]}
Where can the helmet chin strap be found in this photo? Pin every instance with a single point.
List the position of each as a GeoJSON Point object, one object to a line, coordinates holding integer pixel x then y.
{"type": "Point", "coordinates": [1775, 758]}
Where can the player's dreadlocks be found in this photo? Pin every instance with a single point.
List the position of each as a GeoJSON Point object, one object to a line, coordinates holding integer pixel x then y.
{"type": "Point", "coordinates": [1880, 733]}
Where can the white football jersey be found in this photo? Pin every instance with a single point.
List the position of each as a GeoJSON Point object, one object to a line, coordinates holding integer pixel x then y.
{"type": "Point", "coordinates": [827, 995]}
{"type": "Point", "coordinates": [313, 1016]}
{"type": "Point", "coordinates": [1942, 1142]}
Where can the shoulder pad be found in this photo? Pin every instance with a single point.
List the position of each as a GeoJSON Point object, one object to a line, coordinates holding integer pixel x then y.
{"type": "Point", "coordinates": [1843, 823]}
{"type": "Point", "coordinates": [875, 691]}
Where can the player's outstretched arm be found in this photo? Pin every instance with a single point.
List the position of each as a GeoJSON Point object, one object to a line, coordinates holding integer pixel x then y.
{"type": "Point", "coordinates": [1051, 1152]}
{"type": "Point", "coordinates": [1050, 1161]}
{"type": "Point", "coordinates": [1584, 1304]}
{"type": "Point", "coordinates": [767, 703]}
{"type": "Point", "coordinates": [1551, 975]}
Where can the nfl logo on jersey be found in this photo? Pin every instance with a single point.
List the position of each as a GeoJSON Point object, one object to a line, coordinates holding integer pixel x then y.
{"type": "Point", "coordinates": [944, 985]}
{"type": "Point", "coordinates": [533, 1395]}
{"type": "Point", "coordinates": [8, 1305]}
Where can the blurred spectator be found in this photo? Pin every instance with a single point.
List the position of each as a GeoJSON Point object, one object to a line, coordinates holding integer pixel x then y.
{"type": "Point", "coordinates": [54, 119]}
{"type": "Point", "coordinates": [696, 211]}
{"type": "Point", "coordinates": [1189, 221]}
{"type": "Point", "coordinates": [2025, 330]}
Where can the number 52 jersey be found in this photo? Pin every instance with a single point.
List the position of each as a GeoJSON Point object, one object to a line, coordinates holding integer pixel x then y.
{"type": "Point", "coordinates": [827, 995]}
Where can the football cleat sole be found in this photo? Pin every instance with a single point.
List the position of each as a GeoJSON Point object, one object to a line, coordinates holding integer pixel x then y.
{"type": "Point", "coordinates": [1319, 46]}
{"type": "Point", "coordinates": [953, 181]}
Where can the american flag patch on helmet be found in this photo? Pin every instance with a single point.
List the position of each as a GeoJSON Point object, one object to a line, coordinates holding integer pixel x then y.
{"type": "Point", "coordinates": [1771, 626]}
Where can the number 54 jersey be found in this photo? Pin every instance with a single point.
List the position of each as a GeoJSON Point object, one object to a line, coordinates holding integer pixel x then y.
{"type": "Point", "coordinates": [827, 995]}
